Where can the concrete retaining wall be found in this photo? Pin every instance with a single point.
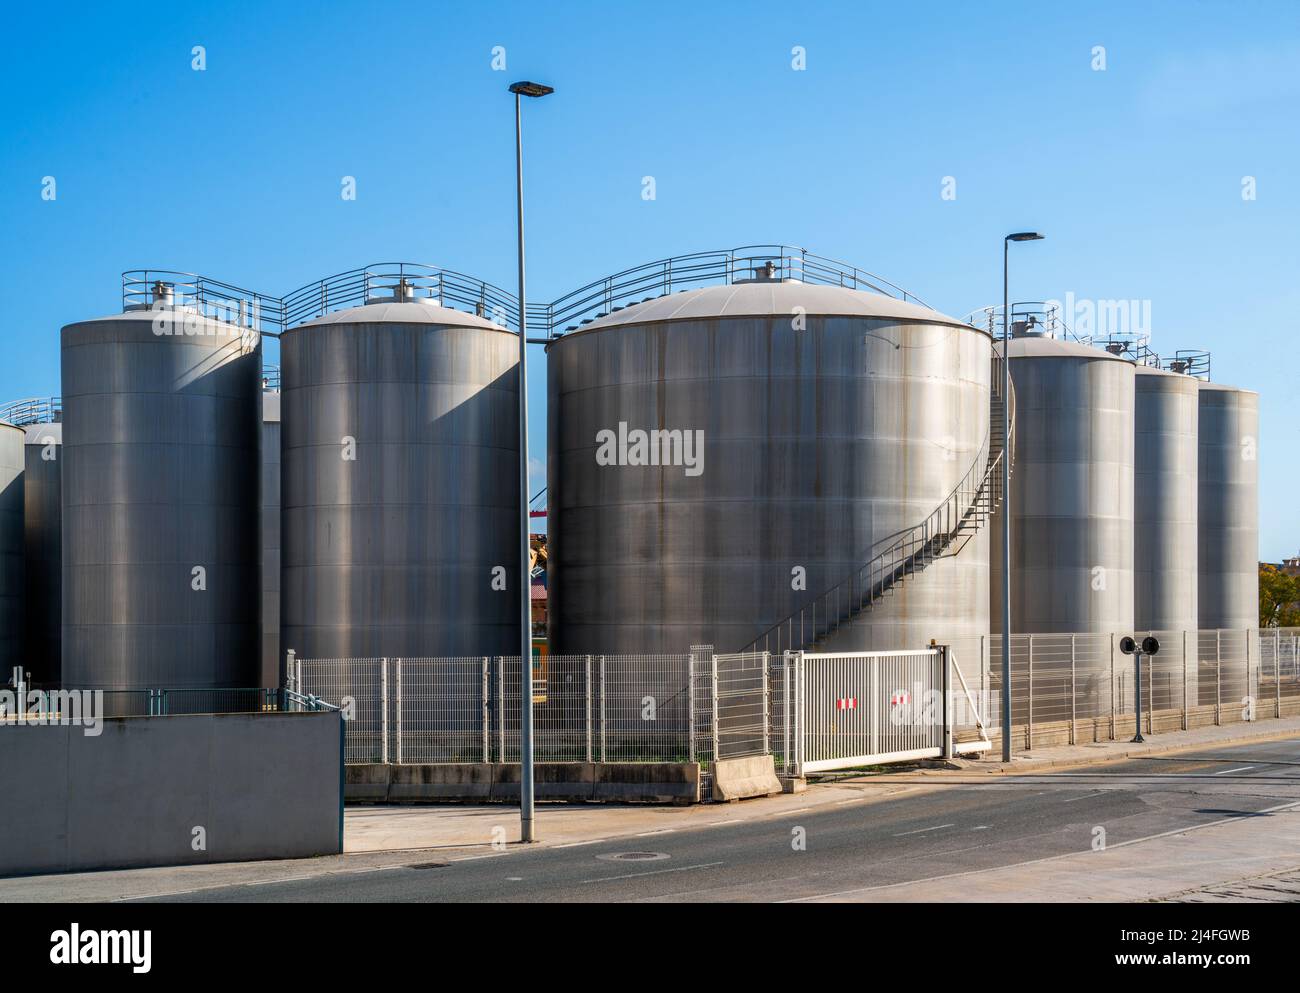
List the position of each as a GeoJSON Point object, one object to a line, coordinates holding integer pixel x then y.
{"type": "Point", "coordinates": [488, 782]}
{"type": "Point", "coordinates": [153, 791]}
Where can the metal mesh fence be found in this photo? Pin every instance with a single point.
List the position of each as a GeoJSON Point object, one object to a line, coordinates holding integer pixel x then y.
{"type": "Point", "coordinates": [740, 705]}
{"type": "Point", "coordinates": [1066, 689]}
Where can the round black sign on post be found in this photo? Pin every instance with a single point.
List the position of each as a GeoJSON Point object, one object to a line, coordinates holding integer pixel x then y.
{"type": "Point", "coordinates": [1129, 646]}
{"type": "Point", "coordinates": [1150, 645]}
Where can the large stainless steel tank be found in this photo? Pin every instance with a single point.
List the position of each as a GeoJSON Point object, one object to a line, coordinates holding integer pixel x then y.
{"type": "Point", "coordinates": [1071, 490]}
{"type": "Point", "coordinates": [1164, 501]}
{"type": "Point", "coordinates": [12, 577]}
{"type": "Point", "coordinates": [272, 674]}
{"type": "Point", "coordinates": [400, 499]}
{"type": "Point", "coordinates": [162, 449]}
{"type": "Point", "coordinates": [1228, 507]}
{"type": "Point", "coordinates": [831, 418]}
{"type": "Point", "coordinates": [43, 526]}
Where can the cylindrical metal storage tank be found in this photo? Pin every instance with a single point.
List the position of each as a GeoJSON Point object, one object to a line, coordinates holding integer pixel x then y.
{"type": "Point", "coordinates": [43, 527]}
{"type": "Point", "coordinates": [400, 499]}
{"type": "Point", "coordinates": [1164, 501]}
{"type": "Point", "coordinates": [12, 578]}
{"type": "Point", "coordinates": [272, 674]}
{"type": "Point", "coordinates": [1071, 490]}
{"type": "Point", "coordinates": [162, 447]}
{"type": "Point", "coordinates": [812, 422]}
{"type": "Point", "coordinates": [1228, 508]}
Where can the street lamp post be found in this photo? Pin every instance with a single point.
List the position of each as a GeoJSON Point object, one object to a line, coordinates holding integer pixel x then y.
{"type": "Point", "coordinates": [520, 90]}
{"type": "Point", "coordinates": [1006, 487]}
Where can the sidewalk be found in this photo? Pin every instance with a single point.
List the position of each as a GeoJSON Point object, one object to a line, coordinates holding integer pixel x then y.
{"type": "Point", "coordinates": [1164, 743]}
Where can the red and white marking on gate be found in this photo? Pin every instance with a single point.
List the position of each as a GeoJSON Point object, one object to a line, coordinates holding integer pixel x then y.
{"type": "Point", "coordinates": [846, 703]}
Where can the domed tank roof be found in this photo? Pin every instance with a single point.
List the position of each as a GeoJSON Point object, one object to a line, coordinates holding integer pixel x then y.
{"type": "Point", "coordinates": [1033, 346]}
{"type": "Point", "coordinates": [769, 298]}
{"type": "Point", "coordinates": [403, 313]}
{"type": "Point", "coordinates": [1224, 388]}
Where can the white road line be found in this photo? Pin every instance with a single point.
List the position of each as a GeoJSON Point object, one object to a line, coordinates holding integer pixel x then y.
{"type": "Point", "coordinates": [579, 844]}
{"type": "Point", "coordinates": [982, 827]}
{"type": "Point", "coordinates": [856, 799]}
{"type": "Point", "coordinates": [466, 858]}
{"type": "Point", "coordinates": [283, 879]}
{"type": "Point", "coordinates": [1228, 772]}
{"type": "Point", "coordinates": [1048, 858]}
{"type": "Point", "coordinates": [726, 823]}
{"type": "Point", "coordinates": [1086, 796]}
{"type": "Point", "coordinates": [937, 827]}
{"type": "Point", "coordinates": [783, 813]}
{"type": "Point", "coordinates": [657, 872]}
{"type": "Point", "coordinates": [647, 834]}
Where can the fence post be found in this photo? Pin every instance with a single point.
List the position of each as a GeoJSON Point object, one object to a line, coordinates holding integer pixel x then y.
{"type": "Point", "coordinates": [383, 711]}
{"type": "Point", "coordinates": [1184, 680]}
{"type": "Point", "coordinates": [397, 709]}
{"type": "Point", "coordinates": [1074, 734]}
{"type": "Point", "coordinates": [785, 712]}
{"type": "Point", "coordinates": [288, 672]}
{"type": "Point", "coordinates": [1252, 685]}
{"type": "Point", "coordinates": [297, 676]}
{"type": "Point", "coordinates": [487, 717]}
{"type": "Point", "coordinates": [500, 663]}
{"type": "Point", "coordinates": [1277, 673]}
{"type": "Point", "coordinates": [798, 713]}
{"type": "Point", "coordinates": [1112, 686]}
{"type": "Point", "coordinates": [690, 706]}
{"type": "Point", "coordinates": [1218, 676]}
{"type": "Point", "coordinates": [1029, 729]}
{"type": "Point", "coordinates": [767, 727]}
{"type": "Point", "coordinates": [588, 707]}
{"type": "Point", "coordinates": [716, 753]}
{"type": "Point", "coordinates": [603, 752]}
{"type": "Point", "coordinates": [945, 661]}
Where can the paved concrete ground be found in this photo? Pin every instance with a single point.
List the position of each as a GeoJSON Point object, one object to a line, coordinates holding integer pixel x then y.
{"type": "Point", "coordinates": [1184, 826]}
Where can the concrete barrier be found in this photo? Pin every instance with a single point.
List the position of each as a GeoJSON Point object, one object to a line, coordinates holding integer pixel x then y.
{"type": "Point", "coordinates": [740, 779]}
{"type": "Point", "coordinates": [495, 782]}
{"type": "Point", "coordinates": [152, 791]}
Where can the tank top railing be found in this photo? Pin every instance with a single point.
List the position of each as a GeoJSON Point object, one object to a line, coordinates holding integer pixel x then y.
{"type": "Point", "coordinates": [683, 272]}
{"type": "Point", "coordinates": [966, 509]}
{"type": "Point", "coordinates": [33, 410]}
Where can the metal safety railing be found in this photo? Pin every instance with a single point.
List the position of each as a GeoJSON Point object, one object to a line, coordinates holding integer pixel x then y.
{"type": "Point", "coordinates": [144, 289]}
{"type": "Point", "coordinates": [945, 531]}
{"type": "Point", "coordinates": [412, 281]}
{"type": "Point", "coordinates": [681, 272]}
{"type": "Point", "coordinates": [33, 410]}
{"type": "Point", "coordinates": [401, 282]}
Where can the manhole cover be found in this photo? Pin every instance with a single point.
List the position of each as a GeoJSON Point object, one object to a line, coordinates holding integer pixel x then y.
{"type": "Point", "coordinates": [634, 857]}
{"type": "Point", "coordinates": [428, 865]}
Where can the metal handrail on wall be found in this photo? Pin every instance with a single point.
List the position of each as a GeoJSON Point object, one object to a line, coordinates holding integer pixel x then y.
{"type": "Point", "coordinates": [33, 410]}
{"type": "Point", "coordinates": [723, 267]}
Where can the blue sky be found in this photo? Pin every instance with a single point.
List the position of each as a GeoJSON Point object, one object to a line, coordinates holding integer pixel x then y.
{"type": "Point", "coordinates": [1134, 172]}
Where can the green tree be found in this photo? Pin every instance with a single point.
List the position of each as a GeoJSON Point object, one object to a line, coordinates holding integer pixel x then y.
{"type": "Point", "coordinates": [1279, 598]}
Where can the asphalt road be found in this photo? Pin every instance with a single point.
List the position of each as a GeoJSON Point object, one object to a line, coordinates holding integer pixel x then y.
{"type": "Point", "coordinates": [970, 823]}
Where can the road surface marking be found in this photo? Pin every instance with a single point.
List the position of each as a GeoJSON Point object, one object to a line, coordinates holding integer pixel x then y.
{"type": "Point", "coordinates": [1047, 858]}
{"type": "Point", "coordinates": [856, 799]}
{"type": "Point", "coordinates": [982, 827]}
{"type": "Point", "coordinates": [740, 820]}
{"type": "Point", "coordinates": [1086, 796]}
{"type": "Point", "coordinates": [285, 879]}
{"type": "Point", "coordinates": [657, 872]}
{"type": "Point", "coordinates": [937, 827]}
{"type": "Point", "coordinates": [577, 844]}
{"type": "Point", "coordinates": [1228, 772]}
{"type": "Point", "coordinates": [647, 834]}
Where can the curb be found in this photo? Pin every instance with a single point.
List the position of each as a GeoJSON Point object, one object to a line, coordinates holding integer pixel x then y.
{"type": "Point", "coordinates": [1002, 769]}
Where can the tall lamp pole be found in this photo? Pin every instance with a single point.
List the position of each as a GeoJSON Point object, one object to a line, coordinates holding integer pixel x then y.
{"type": "Point", "coordinates": [1006, 487]}
{"type": "Point", "coordinates": [520, 90]}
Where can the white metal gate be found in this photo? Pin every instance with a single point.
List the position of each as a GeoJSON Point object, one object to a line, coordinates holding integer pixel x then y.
{"type": "Point", "coordinates": [851, 709]}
